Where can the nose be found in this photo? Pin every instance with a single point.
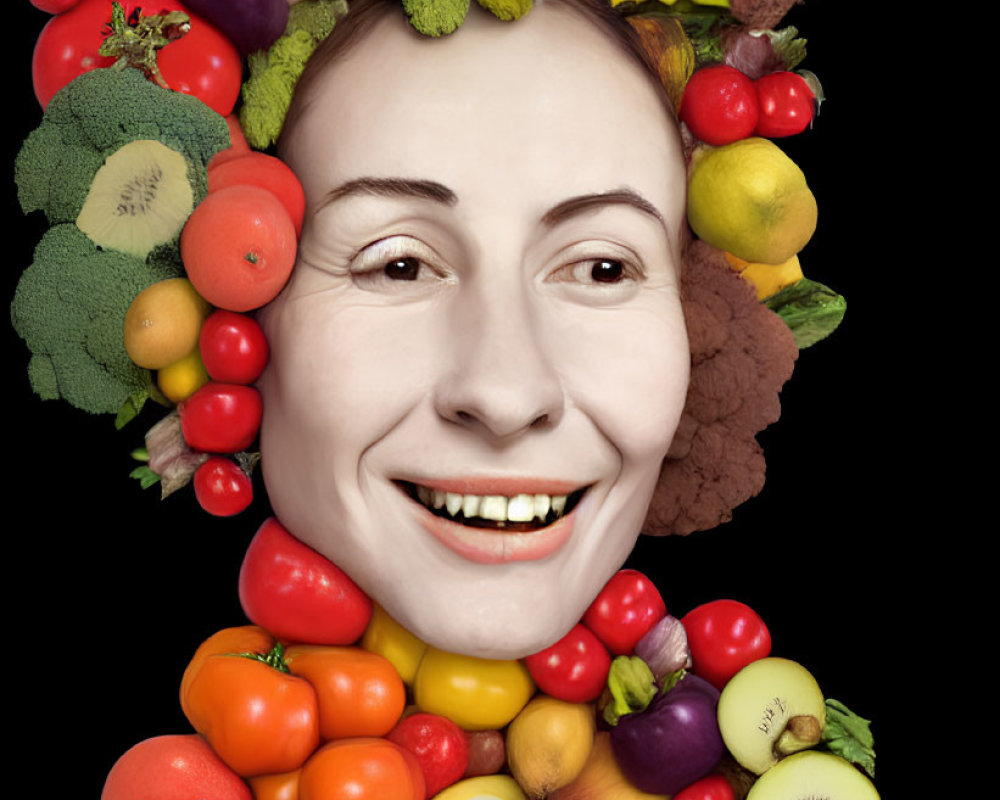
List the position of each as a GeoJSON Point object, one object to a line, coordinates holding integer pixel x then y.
{"type": "Point", "coordinates": [498, 379]}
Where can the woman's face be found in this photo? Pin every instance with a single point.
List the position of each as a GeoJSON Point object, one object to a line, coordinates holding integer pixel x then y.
{"type": "Point", "coordinates": [483, 329]}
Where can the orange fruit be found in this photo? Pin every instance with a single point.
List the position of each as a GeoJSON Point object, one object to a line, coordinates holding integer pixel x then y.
{"type": "Point", "coordinates": [163, 323]}
{"type": "Point", "coordinates": [238, 247]}
{"type": "Point", "coordinates": [267, 172]}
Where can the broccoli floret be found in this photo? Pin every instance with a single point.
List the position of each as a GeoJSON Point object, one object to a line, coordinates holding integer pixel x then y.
{"type": "Point", "coordinates": [274, 72]}
{"type": "Point", "coordinates": [506, 9]}
{"type": "Point", "coordinates": [70, 309]}
{"type": "Point", "coordinates": [436, 17]}
{"type": "Point", "coordinates": [95, 115]}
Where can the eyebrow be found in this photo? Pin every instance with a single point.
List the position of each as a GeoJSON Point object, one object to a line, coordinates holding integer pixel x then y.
{"type": "Point", "coordinates": [439, 193]}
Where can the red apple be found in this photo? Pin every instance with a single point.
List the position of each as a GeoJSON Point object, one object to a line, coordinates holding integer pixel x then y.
{"type": "Point", "coordinates": [439, 745]}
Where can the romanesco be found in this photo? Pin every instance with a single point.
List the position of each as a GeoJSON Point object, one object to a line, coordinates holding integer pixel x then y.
{"type": "Point", "coordinates": [436, 17]}
{"type": "Point", "coordinates": [506, 9]}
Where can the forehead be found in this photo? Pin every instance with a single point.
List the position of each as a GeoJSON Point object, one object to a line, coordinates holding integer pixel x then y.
{"type": "Point", "coordinates": [549, 99]}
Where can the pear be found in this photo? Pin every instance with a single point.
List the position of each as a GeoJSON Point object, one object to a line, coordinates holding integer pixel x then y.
{"type": "Point", "coordinates": [602, 778]}
{"type": "Point", "coordinates": [548, 743]}
{"type": "Point", "coordinates": [769, 709]}
{"type": "Point", "coordinates": [813, 773]}
{"type": "Point", "coordinates": [483, 787]}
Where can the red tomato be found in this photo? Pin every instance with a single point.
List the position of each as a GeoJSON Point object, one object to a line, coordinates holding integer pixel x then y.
{"type": "Point", "coordinates": [173, 768]}
{"type": "Point", "coordinates": [298, 595]}
{"type": "Point", "coordinates": [574, 669]}
{"type": "Point", "coordinates": [719, 105]}
{"type": "Point", "coordinates": [724, 636]}
{"type": "Point", "coordinates": [233, 347]}
{"type": "Point", "coordinates": [362, 769]}
{"type": "Point", "coordinates": [221, 417]}
{"type": "Point", "coordinates": [203, 62]}
{"type": "Point", "coordinates": [626, 608]}
{"type": "Point", "coordinates": [787, 104]}
{"type": "Point", "coordinates": [222, 487]}
{"type": "Point", "coordinates": [713, 787]}
{"type": "Point", "coordinates": [439, 745]}
{"type": "Point", "coordinates": [54, 6]}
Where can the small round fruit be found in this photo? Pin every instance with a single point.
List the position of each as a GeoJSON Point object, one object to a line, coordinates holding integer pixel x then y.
{"type": "Point", "coordinates": [180, 380]}
{"type": "Point", "coordinates": [711, 787]}
{"type": "Point", "coordinates": [720, 105]}
{"type": "Point", "coordinates": [238, 247]}
{"type": "Point", "coordinates": [222, 487]}
{"type": "Point", "coordinates": [813, 773]}
{"type": "Point", "coordinates": [233, 347]}
{"type": "Point", "coordinates": [361, 767]}
{"type": "Point", "coordinates": [723, 637]}
{"type": "Point", "coordinates": [221, 418]}
{"type": "Point", "coordinates": [267, 172]}
{"type": "Point", "coordinates": [439, 745]}
{"type": "Point", "coordinates": [574, 669]}
{"type": "Point", "coordinates": [176, 767]}
{"type": "Point", "coordinates": [787, 104]}
{"type": "Point", "coordinates": [163, 323]}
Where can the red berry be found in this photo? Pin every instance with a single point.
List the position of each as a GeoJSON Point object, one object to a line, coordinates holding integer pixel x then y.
{"type": "Point", "coordinates": [787, 104]}
{"type": "Point", "coordinates": [439, 745]}
{"type": "Point", "coordinates": [222, 487]}
{"type": "Point", "coordinates": [720, 105]}
{"type": "Point", "coordinates": [233, 347]}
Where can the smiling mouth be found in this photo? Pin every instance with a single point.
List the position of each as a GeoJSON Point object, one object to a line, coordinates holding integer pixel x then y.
{"type": "Point", "coordinates": [515, 513]}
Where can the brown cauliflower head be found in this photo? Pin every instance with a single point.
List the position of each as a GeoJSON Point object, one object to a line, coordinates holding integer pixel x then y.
{"type": "Point", "coordinates": [741, 355]}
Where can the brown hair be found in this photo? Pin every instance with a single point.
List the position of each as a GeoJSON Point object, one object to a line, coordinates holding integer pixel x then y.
{"type": "Point", "coordinates": [741, 352]}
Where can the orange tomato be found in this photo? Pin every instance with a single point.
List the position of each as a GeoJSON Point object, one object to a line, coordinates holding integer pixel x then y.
{"type": "Point", "coordinates": [267, 172]}
{"type": "Point", "coordinates": [276, 787]}
{"type": "Point", "coordinates": [359, 692]}
{"type": "Point", "coordinates": [258, 719]}
{"type": "Point", "coordinates": [362, 769]}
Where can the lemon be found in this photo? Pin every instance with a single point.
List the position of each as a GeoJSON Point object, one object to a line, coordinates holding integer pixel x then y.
{"type": "Point", "coordinates": [180, 380]}
{"type": "Point", "coordinates": [163, 323]}
{"type": "Point", "coordinates": [750, 199]}
{"type": "Point", "coordinates": [767, 279]}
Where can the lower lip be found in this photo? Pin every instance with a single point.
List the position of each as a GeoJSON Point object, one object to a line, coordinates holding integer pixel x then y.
{"type": "Point", "coordinates": [484, 546]}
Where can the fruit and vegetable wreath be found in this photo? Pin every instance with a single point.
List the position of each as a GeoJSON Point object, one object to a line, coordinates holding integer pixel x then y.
{"type": "Point", "coordinates": [151, 167]}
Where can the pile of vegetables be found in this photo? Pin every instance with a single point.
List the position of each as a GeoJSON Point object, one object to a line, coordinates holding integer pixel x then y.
{"type": "Point", "coordinates": [324, 690]}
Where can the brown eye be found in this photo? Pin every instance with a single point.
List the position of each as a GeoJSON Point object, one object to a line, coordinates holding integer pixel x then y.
{"type": "Point", "coordinates": [402, 269]}
{"type": "Point", "coordinates": [607, 271]}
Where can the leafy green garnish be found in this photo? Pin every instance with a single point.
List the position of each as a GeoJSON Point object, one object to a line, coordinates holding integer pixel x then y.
{"type": "Point", "coordinates": [131, 407]}
{"type": "Point", "coordinates": [849, 736]}
{"type": "Point", "coordinates": [145, 476]}
{"type": "Point", "coordinates": [632, 686]}
{"type": "Point", "coordinates": [812, 311]}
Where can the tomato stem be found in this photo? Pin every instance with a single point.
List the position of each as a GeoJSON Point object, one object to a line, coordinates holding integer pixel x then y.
{"type": "Point", "coordinates": [134, 40]}
{"type": "Point", "coordinates": [274, 658]}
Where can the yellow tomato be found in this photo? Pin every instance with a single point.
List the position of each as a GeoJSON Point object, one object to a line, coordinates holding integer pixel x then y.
{"type": "Point", "coordinates": [393, 642]}
{"type": "Point", "coordinates": [181, 379]}
{"type": "Point", "coordinates": [474, 693]}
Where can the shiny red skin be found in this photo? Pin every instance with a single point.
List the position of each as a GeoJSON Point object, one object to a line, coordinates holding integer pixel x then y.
{"type": "Point", "coordinates": [176, 767]}
{"type": "Point", "coordinates": [787, 104]}
{"type": "Point", "coordinates": [203, 62]}
{"type": "Point", "coordinates": [222, 487]}
{"type": "Point", "coordinates": [297, 594]}
{"type": "Point", "coordinates": [54, 6]}
{"type": "Point", "coordinates": [724, 636]}
{"type": "Point", "coordinates": [439, 745]}
{"type": "Point", "coordinates": [233, 347]}
{"type": "Point", "coordinates": [720, 105]}
{"type": "Point", "coordinates": [574, 669]}
{"type": "Point", "coordinates": [221, 417]}
{"type": "Point", "coordinates": [624, 611]}
{"type": "Point", "coordinates": [713, 787]}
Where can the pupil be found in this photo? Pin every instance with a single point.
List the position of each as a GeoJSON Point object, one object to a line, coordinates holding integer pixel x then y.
{"type": "Point", "coordinates": [402, 269]}
{"type": "Point", "coordinates": [607, 271]}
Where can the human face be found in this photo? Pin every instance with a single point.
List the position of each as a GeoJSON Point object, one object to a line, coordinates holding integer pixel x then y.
{"type": "Point", "coordinates": [444, 332]}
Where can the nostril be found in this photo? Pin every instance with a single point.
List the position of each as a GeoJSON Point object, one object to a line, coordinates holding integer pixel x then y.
{"type": "Point", "coordinates": [540, 421]}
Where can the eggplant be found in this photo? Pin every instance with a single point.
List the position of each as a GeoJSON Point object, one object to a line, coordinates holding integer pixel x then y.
{"type": "Point", "coordinates": [674, 741]}
{"type": "Point", "coordinates": [249, 24]}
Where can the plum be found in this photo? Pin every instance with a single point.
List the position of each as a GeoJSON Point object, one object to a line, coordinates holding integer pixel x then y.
{"type": "Point", "coordinates": [674, 741]}
{"type": "Point", "coordinates": [249, 24]}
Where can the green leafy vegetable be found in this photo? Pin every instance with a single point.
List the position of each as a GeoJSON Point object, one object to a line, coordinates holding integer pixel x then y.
{"type": "Point", "coordinates": [632, 686]}
{"type": "Point", "coordinates": [849, 736]}
{"type": "Point", "coordinates": [436, 17]}
{"type": "Point", "coordinates": [812, 310]}
{"type": "Point", "coordinates": [506, 9]}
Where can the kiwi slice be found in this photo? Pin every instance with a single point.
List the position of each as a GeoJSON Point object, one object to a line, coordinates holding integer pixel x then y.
{"type": "Point", "coordinates": [813, 775]}
{"type": "Point", "coordinates": [139, 199]}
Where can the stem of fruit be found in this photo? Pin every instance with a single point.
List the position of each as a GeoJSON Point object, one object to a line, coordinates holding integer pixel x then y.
{"type": "Point", "coordinates": [800, 733]}
{"type": "Point", "coordinates": [274, 658]}
{"type": "Point", "coordinates": [632, 686]}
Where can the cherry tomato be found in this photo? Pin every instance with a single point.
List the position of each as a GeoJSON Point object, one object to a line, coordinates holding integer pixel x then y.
{"type": "Point", "coordinates": [573, 669]}
{"type": "Point", "coordinates": [724, 636]}
{"type": "Point", "coordinates": [233, 347]}
{"type": "Point", "coordinates": [176, 767]}
{"type": "Point", "coordinates": [787, 104]}
{"type": "Point", "coordinates": [359, 693]}
{"type": "Point", "coordinates": [221, 417]}
{"type": "Point", "coordinates": [259, 719]}
{"type": "Point", "coordinates": [203, 62]}
{"type": "Point", "coordinates": [222, 487]}
{"type": "Point", "coordinates": [624, 611]}
{"type": "Point", "coordinates": [438, 743]}
{"type": "Point", "coordinates": [54, 6]}
{"type": "Point", "coordinates": [362, 769]}
{"type": "Point", "coordinates": [713, 787]}
{"type": "Point", "coordinates": [719, 105]}
{"type": "Point", "coordinates": [283, 786]}
{"type": "Point", "coordinates": [297, 594]}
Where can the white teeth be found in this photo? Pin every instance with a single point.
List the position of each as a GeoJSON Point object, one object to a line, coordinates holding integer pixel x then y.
{"type": "Point", "coordinates": [497, 508]}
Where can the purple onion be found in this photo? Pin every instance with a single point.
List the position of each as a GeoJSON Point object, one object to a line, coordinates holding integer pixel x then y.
{"type": "Point", "coordinates": [249, 24]}
{"type": "Point", "coordinates": [674, 742]}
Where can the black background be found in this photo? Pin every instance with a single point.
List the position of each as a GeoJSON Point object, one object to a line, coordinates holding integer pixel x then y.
{"type": "Point", "coordinates": [109, 591]}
